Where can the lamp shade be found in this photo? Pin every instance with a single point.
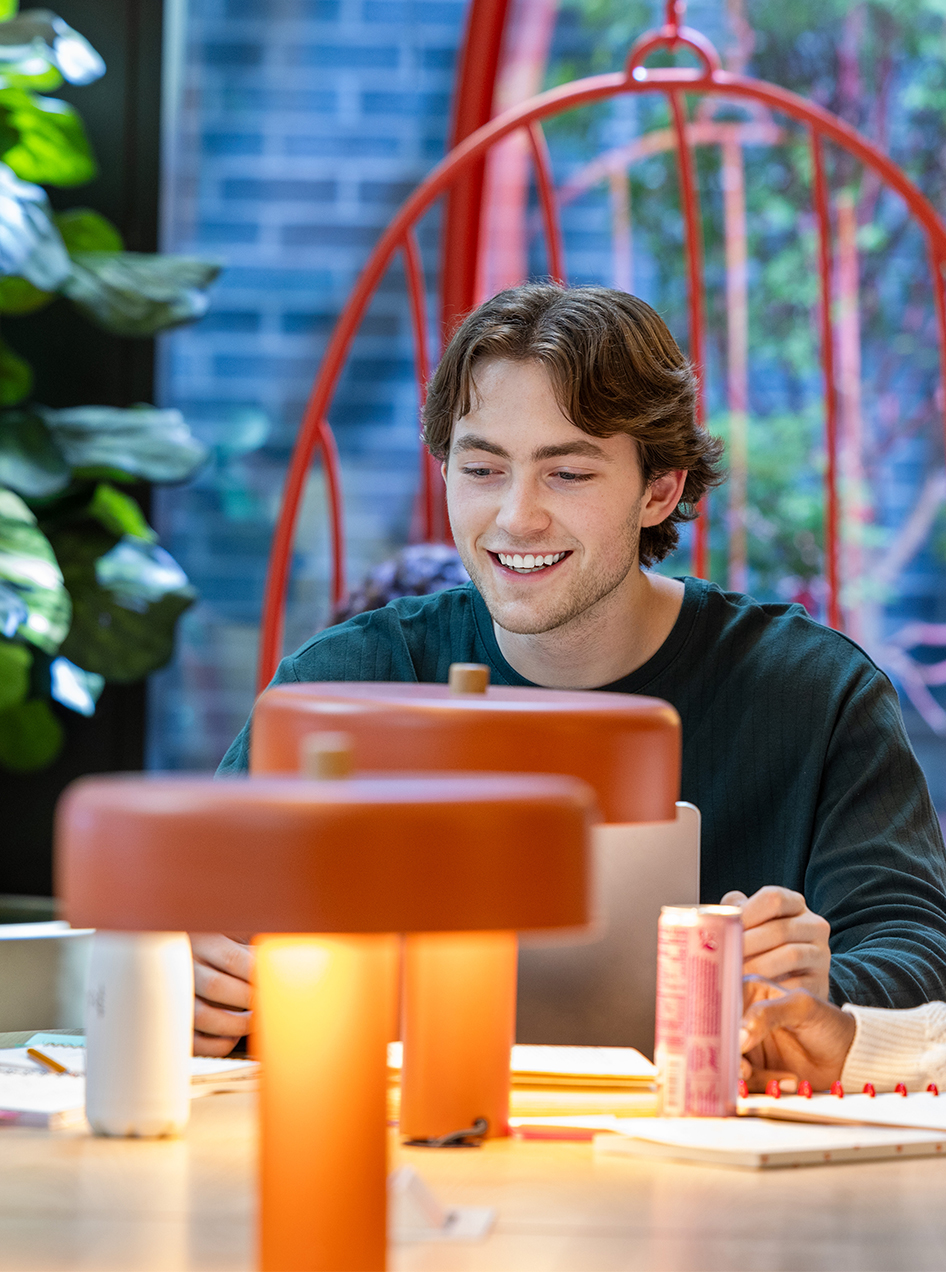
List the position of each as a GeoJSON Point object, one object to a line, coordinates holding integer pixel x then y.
{"type": "Point", "coordinates": [396, 854]}
{"type": "Point", "coordinates": [627, 748]}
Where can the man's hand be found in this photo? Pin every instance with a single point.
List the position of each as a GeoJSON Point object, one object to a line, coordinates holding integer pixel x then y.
{"type": "Point", "coordinates": [784, 940]}
{"type": "Point", "coordinates": [222, 970]}
{"type": "Point", "coordinates": [791, 1036]}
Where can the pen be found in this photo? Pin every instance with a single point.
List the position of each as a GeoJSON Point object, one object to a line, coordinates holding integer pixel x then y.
{"type": "Point", "coordinates": [47, 1061]}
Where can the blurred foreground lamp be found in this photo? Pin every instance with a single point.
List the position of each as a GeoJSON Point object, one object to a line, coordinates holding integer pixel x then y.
{"type": "Point", "coordinates": [355, 861]}
{"type": "Point", "coordinates": [459, 1002]}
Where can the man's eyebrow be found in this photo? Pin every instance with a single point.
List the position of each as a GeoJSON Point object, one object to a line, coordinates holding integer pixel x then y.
{"type": "Point", "coordinates": [587, 449]}
{"type": "Point", "coordinates": [470, 442]}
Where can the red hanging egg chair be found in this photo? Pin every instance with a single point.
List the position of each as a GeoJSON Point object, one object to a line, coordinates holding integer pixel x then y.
{"type": "Point", "coordinates": [459, 179]}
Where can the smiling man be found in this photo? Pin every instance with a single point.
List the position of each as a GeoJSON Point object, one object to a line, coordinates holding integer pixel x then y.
{"type": "Point", "coordinates": [549, 521]}
{"type": "Point", "coordinates": [565, 423]}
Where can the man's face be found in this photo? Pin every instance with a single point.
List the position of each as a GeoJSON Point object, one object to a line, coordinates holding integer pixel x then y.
{"type": "Point", "coordinates": [545, 517]}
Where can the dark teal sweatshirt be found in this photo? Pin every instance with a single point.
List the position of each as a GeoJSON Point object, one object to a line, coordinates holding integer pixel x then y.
{"type": "Point", "coordinates": [794, 751]}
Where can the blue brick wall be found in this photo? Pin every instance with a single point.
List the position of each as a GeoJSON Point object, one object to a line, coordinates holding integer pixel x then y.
{"type": "Point", "coordinates": [302, 126]}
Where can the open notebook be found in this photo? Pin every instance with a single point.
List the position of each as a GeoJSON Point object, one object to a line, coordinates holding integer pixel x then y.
{"type": "Point", "coordinates": [921, 1110]}
{"type": "Point", "coordinates": [31, 1096]}
{"type": "Point", "coordinates": [760, 1144]}
{"type": "Point", "coordinates": [788, 1131]}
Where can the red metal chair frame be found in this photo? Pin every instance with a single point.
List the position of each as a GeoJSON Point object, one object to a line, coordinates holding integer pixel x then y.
{"type": "Point", "coordinates": [455, 176]}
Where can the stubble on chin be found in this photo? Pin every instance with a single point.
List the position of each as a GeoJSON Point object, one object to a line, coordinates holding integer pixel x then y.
{"type": "Point", "coordinates": [523, 618]}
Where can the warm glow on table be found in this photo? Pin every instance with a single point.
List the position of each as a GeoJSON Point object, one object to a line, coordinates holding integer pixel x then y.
{"type": "Point", "coordinates": [69, 1201]}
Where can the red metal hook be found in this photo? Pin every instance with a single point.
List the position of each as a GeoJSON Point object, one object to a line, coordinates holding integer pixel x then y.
{"type": "Point", "coordinates": [675, 13]}
{"type": "Point", "coordinates": [673, 35]}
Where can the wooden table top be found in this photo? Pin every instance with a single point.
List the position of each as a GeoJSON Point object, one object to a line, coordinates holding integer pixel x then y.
{"type": "Point", "coordinates": [71, 1201]}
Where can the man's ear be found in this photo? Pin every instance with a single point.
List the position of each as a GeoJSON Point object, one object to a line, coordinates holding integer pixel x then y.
{"type": "Point", "coordinates": [662, 496]}
{"type": "Point", "coordinates": [443, 471]}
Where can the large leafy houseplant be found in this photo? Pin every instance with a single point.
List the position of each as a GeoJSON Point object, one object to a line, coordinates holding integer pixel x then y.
{"type": "Point", "coordinates": [86, 593]}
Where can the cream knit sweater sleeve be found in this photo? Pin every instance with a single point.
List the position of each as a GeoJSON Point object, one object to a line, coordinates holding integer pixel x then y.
{"type": "Point", "coordinates": [896, 1046]}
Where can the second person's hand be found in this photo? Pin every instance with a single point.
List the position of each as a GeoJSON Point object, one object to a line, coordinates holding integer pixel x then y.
{"type": "Point", "coordinates": [790, 1035]}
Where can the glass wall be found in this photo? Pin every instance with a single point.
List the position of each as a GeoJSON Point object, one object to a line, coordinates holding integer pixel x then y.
{"type": "Point", "coordinates": [299, 126]}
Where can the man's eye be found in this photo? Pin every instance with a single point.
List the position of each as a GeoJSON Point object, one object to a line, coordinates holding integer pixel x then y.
{"type": "Point", "coordinates": [574, 477]}
{"type": "Point", "coordinates": [478, 472]}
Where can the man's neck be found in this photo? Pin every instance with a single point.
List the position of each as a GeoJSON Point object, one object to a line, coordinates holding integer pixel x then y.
{"type": "Point", "coordinates": [604, 644]}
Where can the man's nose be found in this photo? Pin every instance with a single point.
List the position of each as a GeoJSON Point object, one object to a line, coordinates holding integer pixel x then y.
{"type": "Point", "coordinates": [522, 514]}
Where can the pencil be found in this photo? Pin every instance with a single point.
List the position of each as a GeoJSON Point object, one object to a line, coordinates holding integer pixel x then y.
{"type": "Point", "coordinates": [47, 1061]}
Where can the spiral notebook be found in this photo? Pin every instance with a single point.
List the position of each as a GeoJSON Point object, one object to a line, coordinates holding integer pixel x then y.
{"type": "Point", "coordinates": [760, 1144]}
{"type": "Point", "coordinates": [920, 1110]}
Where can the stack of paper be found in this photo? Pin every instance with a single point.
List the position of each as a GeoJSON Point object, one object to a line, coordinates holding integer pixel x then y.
{"type": "Point", "coordinates": [549, 1083]}
{"type": "Point", "coordinates": [53, 1100]}
{"type": "Point", "coordinates": [604, 1068]}
{"type": "Point", "coordinates": [32, 1096]}
{"type": "Point", "coordinates": [555, 1087]}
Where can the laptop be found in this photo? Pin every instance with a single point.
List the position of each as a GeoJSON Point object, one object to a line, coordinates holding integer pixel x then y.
{"type": "Point", "coordinates": [599, 988]}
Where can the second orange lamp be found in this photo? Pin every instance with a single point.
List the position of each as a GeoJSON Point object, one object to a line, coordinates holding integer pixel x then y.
{"type": "Point", "coordinates": [459, 990]}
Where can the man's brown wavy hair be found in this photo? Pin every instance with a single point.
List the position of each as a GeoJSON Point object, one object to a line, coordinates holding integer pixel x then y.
{"type": "Point", "coordinates": [614, 367]}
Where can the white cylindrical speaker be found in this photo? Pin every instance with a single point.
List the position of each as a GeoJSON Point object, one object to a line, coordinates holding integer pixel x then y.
{"type": "Point", "coordinates": [139, 1033]}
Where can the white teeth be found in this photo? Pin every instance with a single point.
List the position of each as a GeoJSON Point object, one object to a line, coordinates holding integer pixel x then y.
{"type": "Point", "coordinates": [528, 563]}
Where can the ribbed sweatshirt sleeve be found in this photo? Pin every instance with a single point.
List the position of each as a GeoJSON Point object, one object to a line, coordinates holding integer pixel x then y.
{"type": "Point", "coordinates": [877, 870]}
{"type": "Point", "coordinates": [896, 1046]}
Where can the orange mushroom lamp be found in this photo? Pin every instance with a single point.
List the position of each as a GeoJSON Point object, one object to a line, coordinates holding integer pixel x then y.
{"type": "Point", "coordinates": [329, 871]}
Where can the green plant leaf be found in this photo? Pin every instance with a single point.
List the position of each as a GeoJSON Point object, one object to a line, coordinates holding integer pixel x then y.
{"type": "Point", "coordinates": [17, 296]}
{"type": "Point", "coordinates": [16, 376]}
{"type": "Point", "coordinates": [30, 244]}
{"type": "Point", "coordinates": [35, 75]}
{"type": "Point", "coordinates": [30, 461]}
{"type": "Point", "coordinates": [144, 441]}
{"type": "Point", "coordinates": [40, 36]}
{"type": "Point", "coordinates": [119, 514]}
{"type": "Point", "coordinates": [134, 294]}
{"type": "Point", "coordinates": [83, 230]}
{"type": "Point", "coordinates": [73, 687]}
{"type": "Point", "coordinates": [29, 570]}
{"type": "Point", "coordinates": [15, 662]}
{"type": "Point", "coordinates": [127, 597]}
{"type": "Point", "coordinates": [8, 134]}
{"type": "Point", "coordinates": [52, 148]}
{"type": "Point", "coordinates": [13, 611]}
{"type": "Point", "coordinates": [139, 574]}
{"type": "Point", "coordinates": [30, 736]}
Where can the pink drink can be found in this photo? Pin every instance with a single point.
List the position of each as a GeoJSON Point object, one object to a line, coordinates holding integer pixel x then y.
{"type": "Point", "coordinates": [699, 1007]}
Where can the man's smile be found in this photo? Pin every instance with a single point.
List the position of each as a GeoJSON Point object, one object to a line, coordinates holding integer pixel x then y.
{"type": "Point", "coordinates": [528, 562]}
